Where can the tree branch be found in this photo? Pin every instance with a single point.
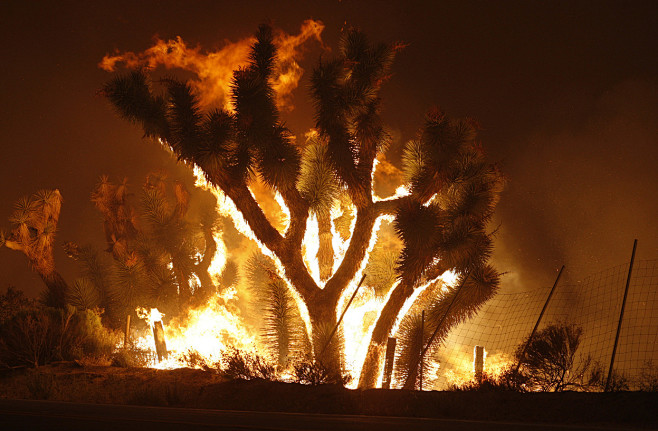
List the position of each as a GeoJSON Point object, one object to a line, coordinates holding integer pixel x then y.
{"type": "Point", "coordinates": [356, 251]}
{"type": "Point", "coordinates": [254, 216]}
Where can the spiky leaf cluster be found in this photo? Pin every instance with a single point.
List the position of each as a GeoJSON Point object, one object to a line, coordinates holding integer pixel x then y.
{"type": "Point", "coordinates": [119, 218]}
{"type": "Point", "coordinates": [229, 146]}
{"type": "Point", "coordinates": [282, 328]}
{"type": "Point", "coordinates": [83, 295]}
{"type": "Point", "coordinates": [445, 307]}
{"type": "Point", "coordinates": [454, 192]}
{"type": "Point", "coordinates": [34, 224]}
{"type": "Point", "coordinates": [317, 181]}
{"type": "Point", "coordinates": [346, 93]}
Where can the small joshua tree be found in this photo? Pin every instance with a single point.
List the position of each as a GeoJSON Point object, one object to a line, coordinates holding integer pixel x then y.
{"type": "Point", "coordinates": [34, 224]}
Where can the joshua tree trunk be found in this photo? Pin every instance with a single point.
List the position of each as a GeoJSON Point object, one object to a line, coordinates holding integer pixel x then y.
{"type": "Point", "coordinates": [374, 357]}
{"type": "Point", "coordinates": [323, 321]}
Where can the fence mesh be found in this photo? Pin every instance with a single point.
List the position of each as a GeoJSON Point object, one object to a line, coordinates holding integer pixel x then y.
{"type": "Point", "coordinates": [594, 304]}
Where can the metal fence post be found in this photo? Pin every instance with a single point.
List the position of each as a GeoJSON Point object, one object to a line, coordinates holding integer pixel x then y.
{"type": "Point", "coordinates": [621, 317]}
{"type": "Point", "coordinates": [422, 352]}
{"type": "Point", "coordinates": [543, 310]}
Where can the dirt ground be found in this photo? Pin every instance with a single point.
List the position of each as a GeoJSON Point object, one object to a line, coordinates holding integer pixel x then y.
{"type": "Point", "coordinates": [204, 389]}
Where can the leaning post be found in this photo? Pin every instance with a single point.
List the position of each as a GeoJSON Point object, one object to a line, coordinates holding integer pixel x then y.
{"type": "Point", "coordinates": [342, 315]}
{"type": "Point", "coordinates": [543, 310]}
{"type": "Point", "coordinates": [159, 338]}
{"type": "Point", "coordinates": [621, 317]}
{"type": "Point", "coordinates": [422, 351]}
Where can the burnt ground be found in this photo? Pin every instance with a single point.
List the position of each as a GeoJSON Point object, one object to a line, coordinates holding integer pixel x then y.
{"type": "Point", "coordinates": [204, 389]}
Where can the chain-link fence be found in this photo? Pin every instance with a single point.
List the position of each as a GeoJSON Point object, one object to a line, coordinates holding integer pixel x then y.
{"type": "Point", "coordinates": [593, 304]}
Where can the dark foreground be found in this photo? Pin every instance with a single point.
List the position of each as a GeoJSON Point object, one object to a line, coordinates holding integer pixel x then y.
{"type": "Point", "coordinates": [257, 404]}
{"type": "Point", "coordinates": [52, 415]}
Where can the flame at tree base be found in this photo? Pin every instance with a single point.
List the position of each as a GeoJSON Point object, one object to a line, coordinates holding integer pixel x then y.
{"type": "Point", "coordinates": [205, 333]}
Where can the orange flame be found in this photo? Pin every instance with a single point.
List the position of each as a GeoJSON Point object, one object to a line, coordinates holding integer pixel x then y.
{"type": "Point", "coordinates": [214, 69]}
{"type": "Point", "coordinates": [208, 331]}
{"type": "Point", "coordinates": [460, 369]}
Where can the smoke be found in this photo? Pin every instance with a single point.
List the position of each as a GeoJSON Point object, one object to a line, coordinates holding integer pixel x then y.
{"type": "Point", "coordinates": [213, 70]}
{"type": "Point", "coordinates": [580, 192]}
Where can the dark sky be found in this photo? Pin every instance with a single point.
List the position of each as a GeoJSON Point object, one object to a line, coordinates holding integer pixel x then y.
{"type": "Point", "coordinates": [566, 94]}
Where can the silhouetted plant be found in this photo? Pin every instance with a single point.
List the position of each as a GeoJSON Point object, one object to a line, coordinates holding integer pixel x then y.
{"type": "Point", "coordinates": [549, 359]}
{"type": "Point", "coordinates": [83, 295]}
{"type": "Point", "coordinates": [37, 335]}
{"type": "Point", "coordinates": [41, 385]}
{"type": "Point", "coordinates": [160, 252]}
{"type": "Point", "coordinates": [194, 359]}
{"type": "Point", "coordinates": [509, 380]}
{"type": "Point", "coordinates": [410, 343]}
{"type": "Point", "coordinates": [132, 356]}
{"type": "Point", "coordinates": [248, 366]}
{"type": "Point", "coordinates": [310, 372]}
{"type": "Point", "coordinates": [618, 382]}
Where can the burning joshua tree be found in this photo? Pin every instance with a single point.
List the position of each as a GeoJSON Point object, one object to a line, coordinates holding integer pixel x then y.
{"type": "Point", "coordinates": [439, 214]}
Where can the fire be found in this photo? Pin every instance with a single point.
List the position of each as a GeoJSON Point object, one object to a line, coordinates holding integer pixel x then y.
{"type": "Point", "coordinates": [150, 316]}
{"type": "Point", "coordinates": [208, 331]}
{"type": "Point", "coordinates": [310, 247]}
{"type": "Point", "coordinates": [218, 261]}
{"type": "Point", "coordinates": [460, 367]}
{"type": "Point", "coordinates": [211, 329]}
{"type": "Point", "coordinates": [226, 207]}
{"type": "Point", "coordinates": [358, 323]}
{"type": "Point", "coordinates": [214, 69]}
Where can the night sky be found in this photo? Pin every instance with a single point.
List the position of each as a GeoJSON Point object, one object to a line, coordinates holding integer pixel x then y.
{"type": "Point", "coordinates": [566, 94]}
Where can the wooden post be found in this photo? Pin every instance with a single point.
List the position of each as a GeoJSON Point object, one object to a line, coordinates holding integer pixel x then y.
{"type": "Point", "coordinates": [159, 337]}
{"type": "Point", "coordinates": [126, 337]}
{"type": "Point", "coordinates": [543, 310]}
{"type": "Point", "coordinates": [478, 362]}
{"type": "Point", "coordinates": [388, 362]}
{"type": "Point", "coordinates": [621, 317]}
